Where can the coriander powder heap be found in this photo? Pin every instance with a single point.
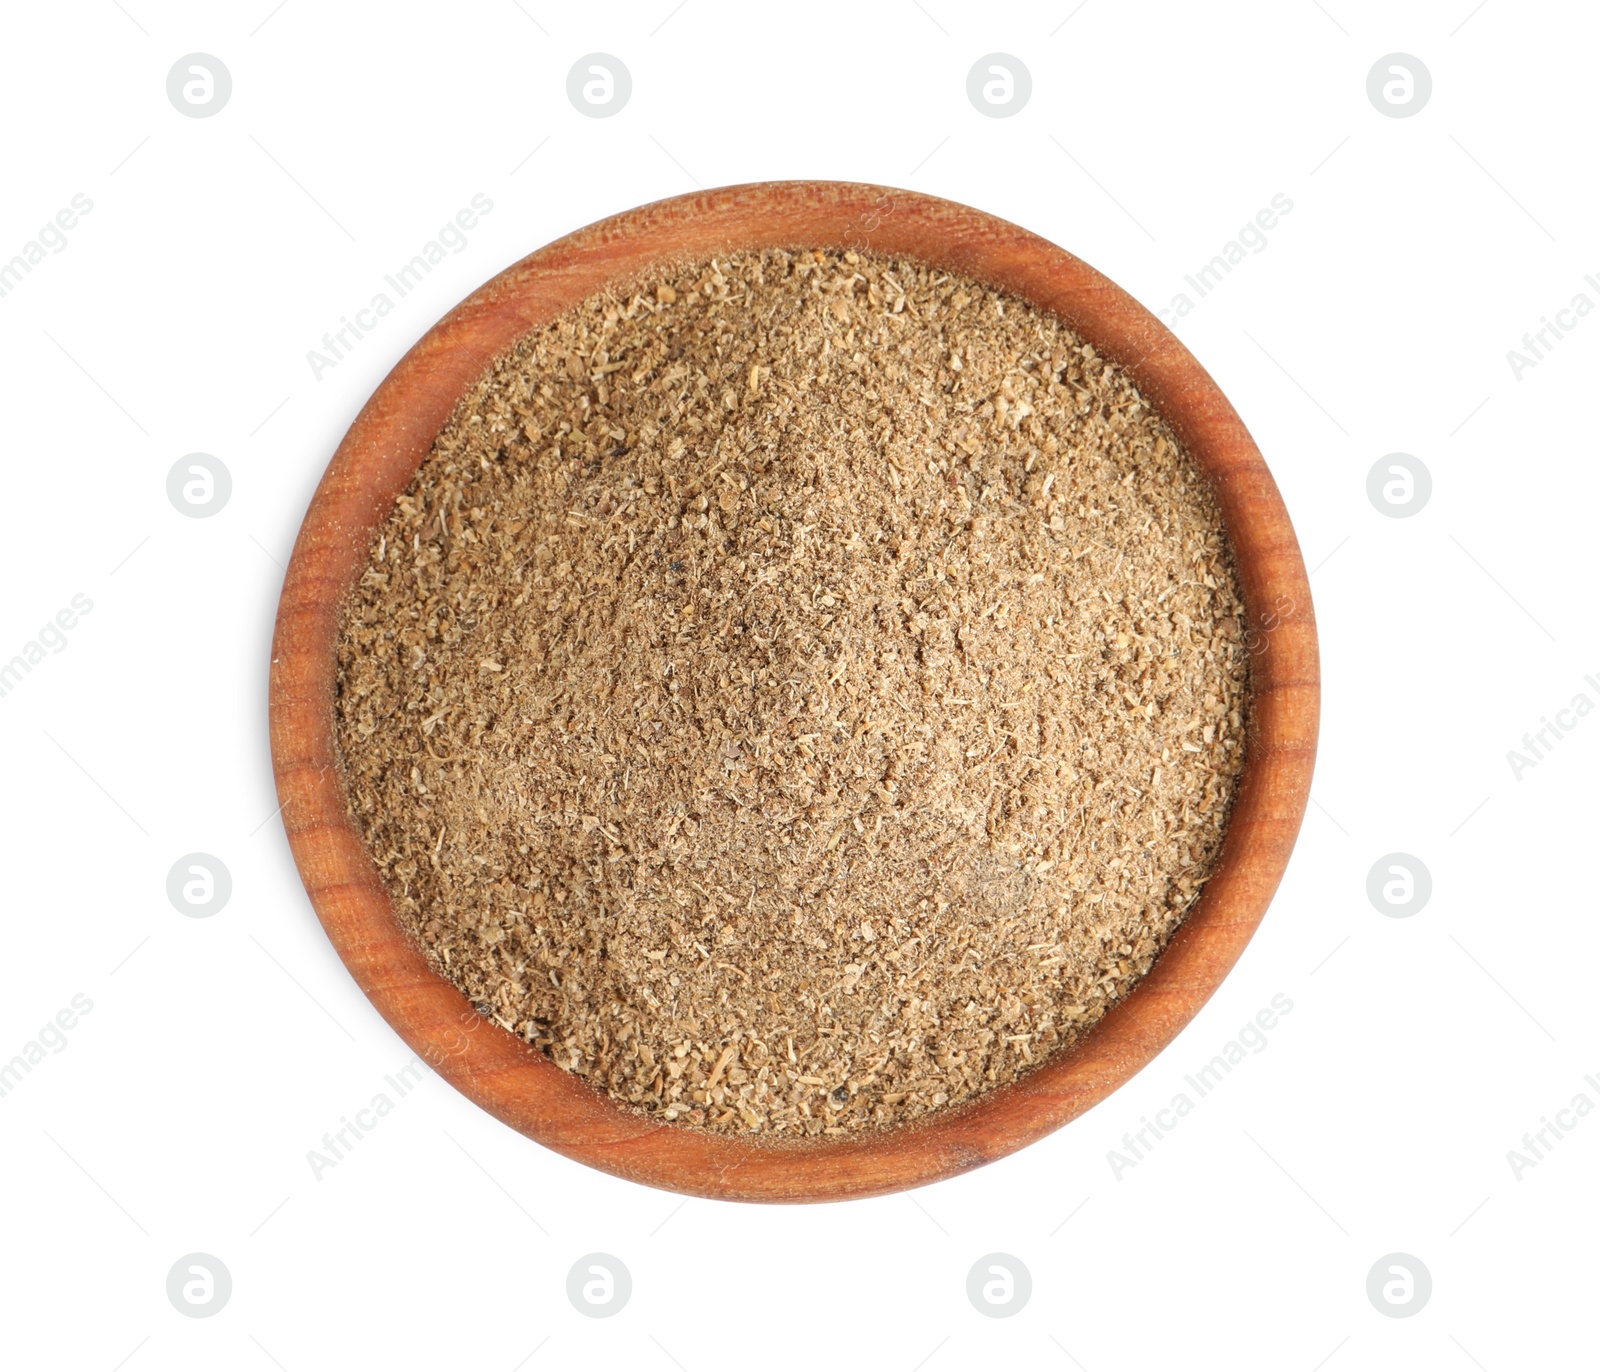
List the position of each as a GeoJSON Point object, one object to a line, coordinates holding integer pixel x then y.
{"type": "Point", "coordinates": [798, 692]}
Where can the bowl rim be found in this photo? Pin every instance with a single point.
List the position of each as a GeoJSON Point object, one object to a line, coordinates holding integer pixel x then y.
{"type": "Point", "coordinates": [381, 453]}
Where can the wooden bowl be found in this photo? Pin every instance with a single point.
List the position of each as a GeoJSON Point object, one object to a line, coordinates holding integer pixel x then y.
{"type": "Point", "coordinates": [381, 454]}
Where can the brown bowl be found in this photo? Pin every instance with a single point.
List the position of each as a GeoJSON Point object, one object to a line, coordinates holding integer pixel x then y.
{"type": "Point", "coordinates": [381, 454]}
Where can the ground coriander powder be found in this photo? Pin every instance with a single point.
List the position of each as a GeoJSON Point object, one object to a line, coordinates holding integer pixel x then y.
{"type": "Point", "coordinates": [799, 691]}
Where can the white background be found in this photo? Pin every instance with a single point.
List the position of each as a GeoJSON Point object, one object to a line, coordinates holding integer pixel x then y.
{"type": "Point", "coordinates": [218, 1051]}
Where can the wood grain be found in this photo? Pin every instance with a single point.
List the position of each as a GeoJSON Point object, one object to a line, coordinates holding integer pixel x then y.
{"type": "Point", "coordinates": [377, 460]}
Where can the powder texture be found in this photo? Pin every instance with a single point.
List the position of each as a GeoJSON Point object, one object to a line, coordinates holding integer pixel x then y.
{"type": "Point", "coordinates": [798, 692]}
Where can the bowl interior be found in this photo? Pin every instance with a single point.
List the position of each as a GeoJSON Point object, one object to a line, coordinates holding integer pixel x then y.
{"type": "Point", "coordinates": [380, 455]}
